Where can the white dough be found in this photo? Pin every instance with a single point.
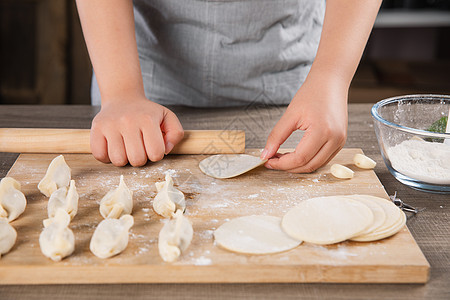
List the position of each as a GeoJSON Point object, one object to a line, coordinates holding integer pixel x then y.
{"type": "Point", "coordinates": [254, 235]}
{"type": "Point", "coordinates": [327, 220]}
{"type": "Point", "coordinates": [363, 162]}
{"type": "Point", "coordinates": [8, 236]}
{"type": "Point", "coordinates": [57, 176]}
{"type": "Point", "coordinates": [379, 214]}
{"type": "Point", "coordinates": [65, 198]}
{"type": "Point", "coordinates": [117, 202]}
{"type": "Point", "coordinates": [229, 165]}
{"type": "Point", "coordinates": [340, 171]}
{"type": "Point", "coordinates": [57, 240]}
{"type": "Point", "coordinates": [12, 200]}
{"type": "Point", "coordinates": [175, 237]}
{"type": "Point", "coordinates": [111, 236]}
{"type": "Point", "coordinates": [381, 234]}
{"type": "Point", "coordinates": [169, 199]}
{"type": "Point", "coordinates": [394, 219]}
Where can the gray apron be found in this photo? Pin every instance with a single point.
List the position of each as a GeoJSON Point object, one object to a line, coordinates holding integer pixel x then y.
{"type": "Point", "coordinates": [223, 52]}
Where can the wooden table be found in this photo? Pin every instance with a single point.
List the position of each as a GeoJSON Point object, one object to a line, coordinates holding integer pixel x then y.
{"type": "Point", "coordinates": [431, 228]}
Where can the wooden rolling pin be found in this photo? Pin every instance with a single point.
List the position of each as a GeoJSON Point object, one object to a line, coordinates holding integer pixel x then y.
{"type": "Point", "coordinates": [40, 140]}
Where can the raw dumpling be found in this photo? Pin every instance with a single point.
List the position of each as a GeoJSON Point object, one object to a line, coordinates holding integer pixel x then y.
{"type": "Point", "coordinates": [111, 236]}
{"type": "Point", "coordinates": [65, 198]}
{"type": "Point", "coordinates": [12, 200]}
{"type": "Point", "coordinates": [8, 236]}
{"type": "Point", "coordinates": [175, 237]}
{"type": "Point", "coordinates": [168, 199]}
{"type": "Point", "coordinates": [57, 240]}
{"type": "Point", "coordinates": [118, 202]}
{"type": "Point", "coordinates": [57, 176]}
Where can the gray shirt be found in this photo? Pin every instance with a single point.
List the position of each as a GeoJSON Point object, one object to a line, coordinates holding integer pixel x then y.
{"type": "Point", "coordinates": [225, 53]}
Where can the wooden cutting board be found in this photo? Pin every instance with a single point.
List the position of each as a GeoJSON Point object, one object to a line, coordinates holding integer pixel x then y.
{"type": "Point", "coordinates": [210, 203]}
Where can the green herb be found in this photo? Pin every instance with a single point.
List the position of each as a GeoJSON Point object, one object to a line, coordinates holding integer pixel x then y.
{"type": "Point", "coordinates": [439, 125]}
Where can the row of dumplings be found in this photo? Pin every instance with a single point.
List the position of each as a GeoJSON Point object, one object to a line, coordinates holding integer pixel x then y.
{"type": "Point", "coordinates": [111, 235]}
{"type": "Point", "coordinates": [176, 234]}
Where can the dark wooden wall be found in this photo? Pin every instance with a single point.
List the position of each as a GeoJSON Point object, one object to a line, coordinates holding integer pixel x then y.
{"type": "Point", "coordinates": [43, 58]}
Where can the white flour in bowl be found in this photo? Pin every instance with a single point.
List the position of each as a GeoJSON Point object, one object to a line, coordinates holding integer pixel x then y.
{"type": "Point", "coordinates": [424, 161]}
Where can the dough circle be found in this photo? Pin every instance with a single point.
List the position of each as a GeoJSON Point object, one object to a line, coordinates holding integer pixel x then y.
{"type": "Point", "coordinates": [391, 226]}
{"type": "Point", "coordinates": [379, 214]}
{"type": "Point", "coordinates": [327, 220]}
{"type": "Point", "coordinates": [395, 220]}
{"type": "Point", "coordinates": [378, 235]}
{"type": "Point", "coordinates": [223, 166]}
{"type": "Point", "coordinates": [254, 235]}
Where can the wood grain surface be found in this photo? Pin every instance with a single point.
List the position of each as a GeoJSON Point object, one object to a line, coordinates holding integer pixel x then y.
{"type": "Point", "coordinates": [45, 140]}
{"type": "Point", "coordinates": [210, 203]}
{"type": "Point", "coordinates": [430, 228]}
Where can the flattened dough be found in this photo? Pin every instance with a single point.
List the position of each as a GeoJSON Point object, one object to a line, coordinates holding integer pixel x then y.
{"type": "Point", "coordinates": [327, 220]}
{"type": "Point", "coordinates": [394, 217]}
{"type": "Point", "coordinates": [379, 214]}
{"type": "Point", "coordinates": [395, 220]}
{"type": "Point", "coordinates": [381, 234]}
{"type": "Point", "coordinates": [229, 165]}
{"type": "Point", "coordinates": [254, 235]}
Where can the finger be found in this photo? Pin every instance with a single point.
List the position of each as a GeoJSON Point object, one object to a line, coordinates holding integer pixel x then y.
{"type": "Point", "coordinates": [153, 141]}
{"type": "Point", "coordinates": [282, 130]}
{"type": "Point", "coordinates": [307, 148]}
{"type": "Point", "coordinates": [326, 153]}
{"type": "Point", "coordinates": [99, 147]}
{"type": "Point", "coordinates": [134, 147]}
{"type": "Point", "coordinates": [116, 148]}
{"type": "Point", "coordinates": [276, 155]}
{"type": "Point", "coordinates": [331, 157]}
{"type": "Point", "coordinates": [173, 131]}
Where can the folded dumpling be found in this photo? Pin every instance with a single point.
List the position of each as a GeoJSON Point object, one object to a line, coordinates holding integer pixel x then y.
{"type": "Point", "coordinates": [65, 198]}
{"type": "Point", "coordinates": [8, 236]}
{"type": "Point", "coordinates": [111, 236]}
{"type": "Point", "coordinates": [168, 199]}
{"type": "Point", "coordinates": [117, 202]}
{"type": "Point", "coordinates": [57, 176]}
{"type": "Point", "coordinates": [12, 200]}
{"type": "Point", "coordinates": [57, 240]}
{"type": "Point", "coordinates": [175, 237]}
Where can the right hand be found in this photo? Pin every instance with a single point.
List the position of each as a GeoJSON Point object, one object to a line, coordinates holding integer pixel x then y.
{"type": "Point", "coordinates": [134, 131]}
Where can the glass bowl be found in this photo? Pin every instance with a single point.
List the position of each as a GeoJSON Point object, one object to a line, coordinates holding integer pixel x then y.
{"type": "Point", "coordinates": [415, 156]}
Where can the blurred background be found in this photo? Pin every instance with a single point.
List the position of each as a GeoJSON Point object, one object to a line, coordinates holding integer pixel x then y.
{"type": "Point", "coordinates": [43, 58]}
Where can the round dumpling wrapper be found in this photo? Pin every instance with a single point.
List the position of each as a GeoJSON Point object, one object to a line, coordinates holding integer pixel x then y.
{"type": "Point", "coordinates": [254, 235]}
{"type": "Point", "coordinates": [327, 220]}
{"type": "Point", "coordinates": [223, 166]}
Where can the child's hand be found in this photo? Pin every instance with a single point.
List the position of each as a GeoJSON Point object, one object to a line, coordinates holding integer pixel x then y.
{"type": "Point", "coordinates": [320, 109]}
{"type": "Point", "coordinates": [134, 131]}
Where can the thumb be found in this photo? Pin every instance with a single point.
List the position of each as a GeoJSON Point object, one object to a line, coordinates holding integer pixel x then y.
{"type": "Point", "coordinates": [282, 130]}
{"type": "Point", "coordinates": [172, 130]}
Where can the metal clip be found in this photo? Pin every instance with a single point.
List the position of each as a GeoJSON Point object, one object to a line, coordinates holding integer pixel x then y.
{"type": "Point", "coordinates": [403, 206]}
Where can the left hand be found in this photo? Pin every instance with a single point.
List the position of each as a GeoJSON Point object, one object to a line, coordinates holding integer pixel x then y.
{"type": "Point", "coordinates": [320, 109]}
